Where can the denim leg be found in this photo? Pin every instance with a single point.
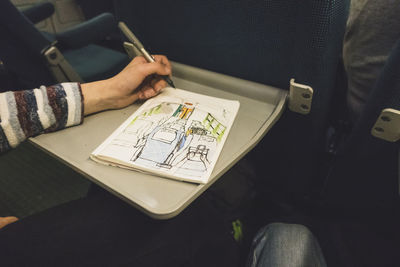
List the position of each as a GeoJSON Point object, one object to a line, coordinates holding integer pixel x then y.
{"type": "Point", "coordinates": [285, 245]}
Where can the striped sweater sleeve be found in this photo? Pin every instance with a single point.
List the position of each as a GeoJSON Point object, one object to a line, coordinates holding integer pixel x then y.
{"type": "Point", "coordinates": [30, 112]}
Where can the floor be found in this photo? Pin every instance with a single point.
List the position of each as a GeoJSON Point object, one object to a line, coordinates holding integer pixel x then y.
{"type": "Point", "coordinates": [32, 181]}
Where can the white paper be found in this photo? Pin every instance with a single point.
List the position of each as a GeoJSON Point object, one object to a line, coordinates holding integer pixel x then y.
{"type": "Point", "coordinates": [177, 134]}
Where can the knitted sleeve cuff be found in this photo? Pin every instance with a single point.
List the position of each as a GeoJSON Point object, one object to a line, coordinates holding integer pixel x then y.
{"type": "Point", "coordinates": [30, 112]}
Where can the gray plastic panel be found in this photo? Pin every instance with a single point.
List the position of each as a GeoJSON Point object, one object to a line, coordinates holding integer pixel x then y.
{"type": "Point", "coordinates": [161, 198]}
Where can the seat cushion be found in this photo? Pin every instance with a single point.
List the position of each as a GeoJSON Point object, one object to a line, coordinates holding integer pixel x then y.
{"type": "Point", "coordinates": [95, 62]}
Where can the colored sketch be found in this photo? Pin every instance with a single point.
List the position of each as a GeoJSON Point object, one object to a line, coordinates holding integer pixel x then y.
{"type": "Point", "coordinates": [179, 137]}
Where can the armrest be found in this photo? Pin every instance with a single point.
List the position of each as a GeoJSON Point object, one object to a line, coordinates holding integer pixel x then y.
{"type": "Point", "coordinates": [39, 12]}
{"type": "Point", "coordinates": [88, 32]}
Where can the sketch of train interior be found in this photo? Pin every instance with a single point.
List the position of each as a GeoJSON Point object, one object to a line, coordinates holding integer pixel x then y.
{"type": "Point", "coordinates": [173, 136]}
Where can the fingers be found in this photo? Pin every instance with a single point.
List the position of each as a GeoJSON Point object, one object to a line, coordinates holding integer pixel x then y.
{"type": "Point", "coordinates": [146, 92]}
{"type": "Point", "coordinates": [158, 84]}
{"type": "Point", "coordinates": [7, 220]}
{"type": "Point", "coordinates": [147, 75]}
{"type": "Point", "coordinates": [152, 89]}
{"type": "Point", "coordinates": [161, 66]}
{"type": "Point", "coordinates": [163, 60]}
{"type": "Point", "coordinates": [154, 68]}
{"type": "Point", "coordinates": [158, 58]}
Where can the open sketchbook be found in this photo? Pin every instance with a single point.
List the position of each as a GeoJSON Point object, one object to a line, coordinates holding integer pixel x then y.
{"type": "Point", "coordinates": [177, 134]}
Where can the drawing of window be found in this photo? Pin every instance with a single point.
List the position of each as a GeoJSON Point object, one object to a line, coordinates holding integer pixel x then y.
{"type": "Point", "coordinates": [214, 126]}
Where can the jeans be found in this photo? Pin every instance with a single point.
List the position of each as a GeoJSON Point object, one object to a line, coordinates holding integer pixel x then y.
{"type": "Point", "coordinates": [285, 245]}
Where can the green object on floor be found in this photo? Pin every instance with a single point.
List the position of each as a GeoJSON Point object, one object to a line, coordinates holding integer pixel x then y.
{"type": "Point", "coordinates": [237, 230]}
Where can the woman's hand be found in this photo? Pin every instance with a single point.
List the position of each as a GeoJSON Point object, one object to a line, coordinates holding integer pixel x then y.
{"type": "Point", "coordinates": [7, 220]}
{"type": "Point", "coordinates": [138, 80]}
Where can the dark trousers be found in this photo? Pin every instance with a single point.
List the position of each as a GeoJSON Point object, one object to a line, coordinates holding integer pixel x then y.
{"type": "Point", "coordinates": [102, 230]}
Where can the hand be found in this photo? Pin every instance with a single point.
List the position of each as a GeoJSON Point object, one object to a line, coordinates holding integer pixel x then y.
{"type": "Point", "coordinates": [4, 221]}
{"type": "Point", "coordinates": [138, 80]}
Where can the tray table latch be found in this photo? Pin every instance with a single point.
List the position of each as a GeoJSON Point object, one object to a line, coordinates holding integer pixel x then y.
{"type": "Point", "coordinates": [300, 97]}
{"type": "Point", "coordinates": [387, 126]}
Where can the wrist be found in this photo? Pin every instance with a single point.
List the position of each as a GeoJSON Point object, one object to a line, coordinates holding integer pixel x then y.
{"type": "Point", "coordinates": [95, 96]}
{"type": "Point", "coordinates": [106, 94]}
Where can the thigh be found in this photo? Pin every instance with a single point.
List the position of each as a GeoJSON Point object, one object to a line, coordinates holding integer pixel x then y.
{"type": "Point", "coordinates": [103, 230]}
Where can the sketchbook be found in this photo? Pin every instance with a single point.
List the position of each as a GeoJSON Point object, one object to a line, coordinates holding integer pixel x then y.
{"type": "Point", "coordinates": [177, 134]}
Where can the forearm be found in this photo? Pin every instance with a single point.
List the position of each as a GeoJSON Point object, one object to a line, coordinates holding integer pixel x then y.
{"type": "Point", "coordinates": [30, 112]}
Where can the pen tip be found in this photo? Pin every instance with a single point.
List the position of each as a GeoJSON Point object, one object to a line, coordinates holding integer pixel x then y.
{"type": "Point", "coordinates": [169, 81]}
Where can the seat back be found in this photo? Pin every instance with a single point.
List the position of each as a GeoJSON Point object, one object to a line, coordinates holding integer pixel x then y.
{"type": "Point", "coordinates": [267, 41]}
{"type": "Point", "coordinates": [365, 173]}
{"type": "Point", "coordinates": [21, 45]}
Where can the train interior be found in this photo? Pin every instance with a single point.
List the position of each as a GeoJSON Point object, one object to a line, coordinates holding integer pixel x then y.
{"type": "Point", "coordinates": [320, 170]}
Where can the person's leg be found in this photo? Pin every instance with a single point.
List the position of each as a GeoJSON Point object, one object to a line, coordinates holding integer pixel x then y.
{"type": "Point", "coordinates": [102, 230]}
{"type": "Point", "coordinates": [285, 245]}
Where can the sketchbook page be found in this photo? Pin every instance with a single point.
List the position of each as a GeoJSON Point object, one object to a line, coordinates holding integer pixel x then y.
{"type": "Point", "coordinates": [177, 134]}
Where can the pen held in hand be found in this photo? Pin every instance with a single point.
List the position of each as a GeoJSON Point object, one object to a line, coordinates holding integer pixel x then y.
{"type": "Point", "coordinates": [135, 41]}
{"type": "Point", "coordinates": [150, 58]}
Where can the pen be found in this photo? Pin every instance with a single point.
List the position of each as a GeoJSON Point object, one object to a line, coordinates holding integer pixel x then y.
{"type": "Point", "coordinates": [135, 41]}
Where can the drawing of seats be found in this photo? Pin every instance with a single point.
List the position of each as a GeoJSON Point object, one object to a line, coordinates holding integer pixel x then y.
{"type": "Point", "coordinates": [198, 153]}
{"type": "Point", "coordinates": [195, 162]}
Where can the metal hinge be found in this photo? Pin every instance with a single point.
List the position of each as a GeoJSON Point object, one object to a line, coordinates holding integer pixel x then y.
{"type": "Point", "coordinates": [59, 66]}
{"type": "Point", "coordinates": [53, 56]}
{"type": "Point", "coordinates": [300, 97]}
{"type": "Point", "coordinates": [387, 126]}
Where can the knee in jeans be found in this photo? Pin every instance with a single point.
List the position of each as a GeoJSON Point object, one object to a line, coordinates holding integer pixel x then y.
{"type": "Point", "coordinates": [286, 245]}
{"type": "Point", "coordinates": [298, 228]}
{"type": "Point", "coordinates": [288, 231]}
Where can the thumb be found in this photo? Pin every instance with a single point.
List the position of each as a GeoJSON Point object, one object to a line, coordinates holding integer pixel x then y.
{"type": "Point", "coordinates": [155, 68]}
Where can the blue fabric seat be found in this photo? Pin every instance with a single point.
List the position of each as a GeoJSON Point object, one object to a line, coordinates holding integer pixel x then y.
{"type": "Point", "coordinates": [22, 47]}
{"type": "Point", "coordinates": [105, 63]}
